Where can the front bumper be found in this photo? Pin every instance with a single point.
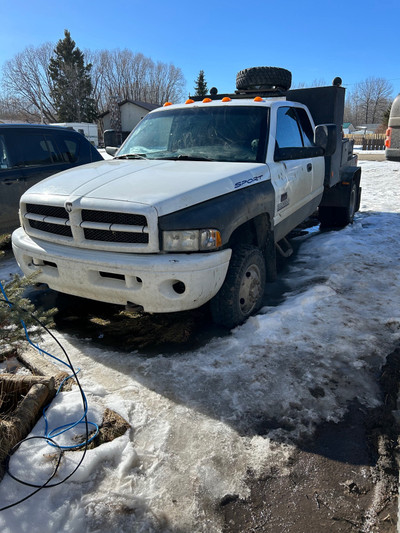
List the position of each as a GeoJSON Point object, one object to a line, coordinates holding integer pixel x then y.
{"type": "Point", "coordinates": [160, 283]}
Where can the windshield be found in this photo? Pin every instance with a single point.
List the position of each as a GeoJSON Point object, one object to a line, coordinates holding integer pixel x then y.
{"type": "Point", "coordinates": [224, 133]}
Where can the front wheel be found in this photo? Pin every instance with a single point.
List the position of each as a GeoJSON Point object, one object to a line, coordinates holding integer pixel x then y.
{"type": "Point", "coordinates": [242, 293]}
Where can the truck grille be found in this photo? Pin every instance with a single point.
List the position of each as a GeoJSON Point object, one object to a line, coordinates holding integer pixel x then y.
{"type": "Point", "coordinates": [88, 226]}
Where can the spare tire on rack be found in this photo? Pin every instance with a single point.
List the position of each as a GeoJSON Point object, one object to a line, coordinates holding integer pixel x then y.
{"type": "Point", "coordinates": [267, 78]}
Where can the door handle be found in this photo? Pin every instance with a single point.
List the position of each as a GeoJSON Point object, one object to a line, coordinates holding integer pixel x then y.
{"type": "Point", "coordinates": [309, 167]}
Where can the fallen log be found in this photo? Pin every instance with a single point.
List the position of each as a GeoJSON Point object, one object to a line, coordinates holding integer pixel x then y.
{"type": "Point", "coordinates": [24, 398]}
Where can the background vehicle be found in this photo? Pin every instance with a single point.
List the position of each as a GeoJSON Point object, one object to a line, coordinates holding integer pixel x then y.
{"type": "Point", "coordinates": [392, 142]}
{"type": "Point", "coordinates": [87, 129]}
{"type": "Point", "coordinates": [197, 201]}
{"type": "Point", "coordinates": [28, 154]}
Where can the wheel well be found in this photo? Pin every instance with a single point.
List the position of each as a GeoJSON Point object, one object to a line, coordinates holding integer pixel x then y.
{"type": "Point", "coordinates": [352, 177]}
{"type": "Point", "coordinates": [252, 232]}
{"type": "Point", "coordinates": [338, 195]}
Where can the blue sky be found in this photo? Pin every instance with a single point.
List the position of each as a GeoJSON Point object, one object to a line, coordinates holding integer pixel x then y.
{"type": "Point", "coordinates": [316, 41]}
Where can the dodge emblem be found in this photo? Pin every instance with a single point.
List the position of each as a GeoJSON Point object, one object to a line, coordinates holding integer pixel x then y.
{"type": "Point", "coordinates": [68, 207]}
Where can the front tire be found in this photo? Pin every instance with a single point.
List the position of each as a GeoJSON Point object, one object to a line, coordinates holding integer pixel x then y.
{"type": "Point", "coordinates": [242, 293]}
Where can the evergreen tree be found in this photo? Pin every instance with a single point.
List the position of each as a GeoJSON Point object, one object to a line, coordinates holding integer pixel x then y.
{"type": "Point", "coordinates": [72, 85]}
{"type": "Point", "coordinates": [201, 85]}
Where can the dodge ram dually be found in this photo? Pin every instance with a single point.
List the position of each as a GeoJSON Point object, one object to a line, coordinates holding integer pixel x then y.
{"type": "Point", "coordinates": [197, 202]}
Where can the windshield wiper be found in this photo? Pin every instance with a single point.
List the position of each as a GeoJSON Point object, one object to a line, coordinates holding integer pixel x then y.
{"type": "Point", "coordinates": [182, 157]}
{"type": "Point", "coordinates": [131, 156]}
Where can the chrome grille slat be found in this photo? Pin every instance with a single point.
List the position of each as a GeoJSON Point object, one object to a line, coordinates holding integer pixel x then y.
{"type": "Point", "coordinates": [114, 227]}
{"type": "Point", "coordinates": [49, 220]}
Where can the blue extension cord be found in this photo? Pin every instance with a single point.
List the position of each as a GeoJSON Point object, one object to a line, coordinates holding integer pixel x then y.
{"type": "Point", "coordinates": [65, 427]}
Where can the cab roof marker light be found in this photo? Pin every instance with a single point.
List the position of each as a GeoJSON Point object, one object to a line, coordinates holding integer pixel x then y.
{"type": "Point", "coordinates": [207, 100]}
{"type": "Point", "coordinates": [226, 99]}
{"type": "Point", "coordinates": [167, 104]}
{"type": "Point", "coordinates": [189, 101]}
{"type": "Point", "coordinates": [258, 99]}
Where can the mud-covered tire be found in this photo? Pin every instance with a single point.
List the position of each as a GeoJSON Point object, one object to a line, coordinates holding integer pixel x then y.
{"type": "Point", "coordinates": [242, 293]}
{"type": "Point", "coordinates": [339, 217]}
{"type": "Point", "coordinates": [263, 78]}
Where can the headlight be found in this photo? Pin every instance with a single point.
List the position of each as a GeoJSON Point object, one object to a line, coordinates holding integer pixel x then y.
{"type": "Point", "coordinates": [191, 240]}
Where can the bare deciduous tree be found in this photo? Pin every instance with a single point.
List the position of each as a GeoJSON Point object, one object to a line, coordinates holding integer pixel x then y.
{"type": "Point", "coordinates": [123, 74]}
{"type": "Point", "coordinates": [12, 108]}
{"type": "Point", "coordinates": [27, 82]}
{"type": "Point", "coordinates": [369, 100]}
{"type": "Point", "coordinates": [166, 83]}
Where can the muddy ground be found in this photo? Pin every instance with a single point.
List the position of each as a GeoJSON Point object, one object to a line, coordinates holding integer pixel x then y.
{"type": "Point", "coordinates": [344, 479]}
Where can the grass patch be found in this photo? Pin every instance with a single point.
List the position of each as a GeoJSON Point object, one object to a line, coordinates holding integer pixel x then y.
{"type": "Point", "coordinates": [5, 241]}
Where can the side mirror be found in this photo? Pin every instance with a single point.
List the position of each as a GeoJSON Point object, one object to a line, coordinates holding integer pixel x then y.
{"type": "Point", "coordinates": [325, 136]}
{"type": "Point", "coordinates": [111, 150]}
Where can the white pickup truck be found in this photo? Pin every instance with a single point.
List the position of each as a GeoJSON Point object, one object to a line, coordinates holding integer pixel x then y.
{"type": "Point", "coordinates": [197, 202]}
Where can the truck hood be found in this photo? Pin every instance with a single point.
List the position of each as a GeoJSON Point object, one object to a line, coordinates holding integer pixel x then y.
{"type": "Point", "coordinates": [166, 185]}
